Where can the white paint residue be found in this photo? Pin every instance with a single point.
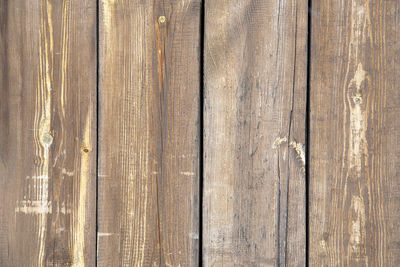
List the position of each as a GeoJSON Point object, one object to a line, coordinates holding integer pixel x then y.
{"type": "Point", "coordinates": [358, 122]}
{"type": "Point", "coordinates": [299, 149]}
{"type": "Point", "coordinates": [67, 173]}
{"type": "Point", "coordinates": [359, 76]}
{"type": "Point", "coordinates": [33, 207]}
{"type": "Point", "coordinates": [278, 141]}
{"type": "Point", "coordinates": [104, 234]}
{"type": "Point", "coordinates": [357, 225]}
{"type": "Point", "coordinates": [188, 173]}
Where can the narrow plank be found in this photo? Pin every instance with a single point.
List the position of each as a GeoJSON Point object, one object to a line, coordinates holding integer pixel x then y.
{"type": "Point", "coordinates": [47, 133]}
{"type": "Point", "coordinates": [354, 137]}
{"type": "Point", "coordinates": [149, 133]}
{"type": "Point", "coordinates": [254, 133]}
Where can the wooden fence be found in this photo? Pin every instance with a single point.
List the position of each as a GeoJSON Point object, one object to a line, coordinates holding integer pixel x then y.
{"type": "Point", "coordinates": [199, 133]}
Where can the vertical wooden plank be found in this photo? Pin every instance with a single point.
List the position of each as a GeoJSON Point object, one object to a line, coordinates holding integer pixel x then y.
{"type": "Point", "coordinates": [354, 138]}
{"type": "Point", "coordinates": [254, 125]}
{"type": "Point", "coordinates": [149, 133]}
{"type": "Point", "coordinates": [47, 133]}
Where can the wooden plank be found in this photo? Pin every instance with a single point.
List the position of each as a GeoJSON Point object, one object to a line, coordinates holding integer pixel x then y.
{"type": "Point", "coordinates": [254, 125]}
{"type": "Point", "coordinates": [354, 138]}
{"type": "Point", "coordinates": [47, 133]}
{"type": "Point", "coordinates": [149, 133]}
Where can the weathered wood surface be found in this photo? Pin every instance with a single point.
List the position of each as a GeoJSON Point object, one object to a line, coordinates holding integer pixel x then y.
{"type": "Point", "coordinates": [355, 131]}
{"type": "Point", "coordinates": [149, 133]}
{"type": "Point", "coordinates": [254, 133]}
{"type": "Point", "coordinates": [255, 69]}
{"type": "Point", "coordinates": [47, 133]}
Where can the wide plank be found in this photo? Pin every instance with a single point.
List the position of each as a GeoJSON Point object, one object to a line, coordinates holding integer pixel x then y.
{"type": "Point", "coordinates": [254, 133]}
{"type": "Point", "coordinates": [47, 133]}
{"type": "Point", "coordinates": [355, 133]}
{"type": "Point", "coordinates": [149, 133]}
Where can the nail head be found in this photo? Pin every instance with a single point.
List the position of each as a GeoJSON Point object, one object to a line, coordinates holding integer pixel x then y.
{"type": "Point", "coordinates": [161, 19]}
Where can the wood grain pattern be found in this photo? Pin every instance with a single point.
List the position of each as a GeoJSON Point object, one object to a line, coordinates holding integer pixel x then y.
{"type": "Point", "coordinates": [47, 133]}
{"type": "Point", "coordinates": [354, 137]}
{"type": "Point", "coordinates": [149, 133]}
{"type": "Point", "coordinates": [254, 133]}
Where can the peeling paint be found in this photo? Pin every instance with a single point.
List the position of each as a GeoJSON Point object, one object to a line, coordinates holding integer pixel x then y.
{"type": "Point", "coordinates": [278, 141]}
{"type": "Point", "coordinates": [299, 149]}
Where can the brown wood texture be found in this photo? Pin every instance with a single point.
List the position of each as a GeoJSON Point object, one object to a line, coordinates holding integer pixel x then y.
{"type": "Point", "coordinates": [354, 136]}
{"type": "Point", "coordinates": [254, 133]}
{"type": "Point", "coordinates": [47, 133]}
{"type": "Point", "coordinates": [148, 76]}
{"type": "Point", "coordinates": [149, 133]}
